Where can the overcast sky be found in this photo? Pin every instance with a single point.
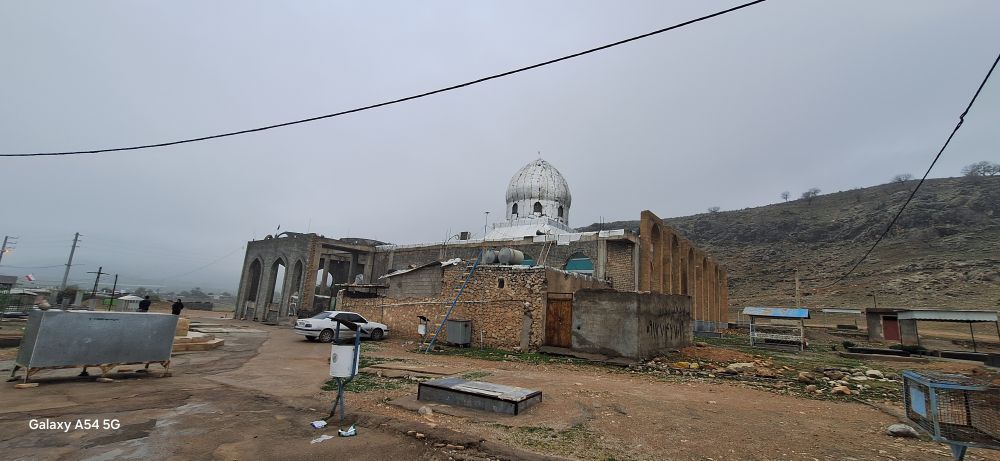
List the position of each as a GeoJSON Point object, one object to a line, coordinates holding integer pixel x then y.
{"type": "Point", "coordinates": [729, 112]}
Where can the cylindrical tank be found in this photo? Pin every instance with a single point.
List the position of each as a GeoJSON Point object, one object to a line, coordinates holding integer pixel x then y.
{"type": "Point", "coordinates": [489, 257]}
{"type": "Point", "coordinates": [343, 361]}
{"type": "Point", "coordinates": [510, 256]}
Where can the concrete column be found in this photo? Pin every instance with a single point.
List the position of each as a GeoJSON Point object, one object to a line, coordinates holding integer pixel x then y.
{"type": "Point", "coordinates": [353, 268]}
{"type": "Point", "coordinates": [370, 268]}
{"type": "Point", "coordinates": [602, 259]}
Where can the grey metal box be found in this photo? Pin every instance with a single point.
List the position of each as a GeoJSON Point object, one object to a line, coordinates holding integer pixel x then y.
{"type": "Point", "coordinates": [459, 332]}
{"type": "Point", "coordinates": [58, 338]}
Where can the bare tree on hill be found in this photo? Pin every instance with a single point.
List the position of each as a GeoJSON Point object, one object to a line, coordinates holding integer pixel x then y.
{"type": "Point", "coordinates": [810, 194]}
{"type": "Point", "coordinates": [983, 168]}
{"type": "Point", "coordinates": [785, 195]}
{"type": "Point", "coordinates": [901, 178]}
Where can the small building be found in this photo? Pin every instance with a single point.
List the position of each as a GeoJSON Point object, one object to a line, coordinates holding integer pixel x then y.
{"type": "Point", "coordinates": [883, 323]}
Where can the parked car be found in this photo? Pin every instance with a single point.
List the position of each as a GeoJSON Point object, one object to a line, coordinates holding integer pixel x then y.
{"type": "Point", "coordinates": [321, 327]}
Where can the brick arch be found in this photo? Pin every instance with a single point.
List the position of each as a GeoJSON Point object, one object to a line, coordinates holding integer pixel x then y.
{"type": "Point", "coordinates": [655, 259]}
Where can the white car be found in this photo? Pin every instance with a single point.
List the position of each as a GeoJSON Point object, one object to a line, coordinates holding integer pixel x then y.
{"type": "Point", "coordinates": [321, 327]}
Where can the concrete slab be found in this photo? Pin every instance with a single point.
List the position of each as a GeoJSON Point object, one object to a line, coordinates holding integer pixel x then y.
{"type": "Point", "coordinates": [199, 346]}
{"type": "Point", "coordinates": [479, 395]}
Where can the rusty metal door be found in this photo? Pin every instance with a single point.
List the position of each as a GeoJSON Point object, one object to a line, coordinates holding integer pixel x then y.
{"type": "Point", "coordinates": [559, 321]}
{"type": "Point", "coordinates": [890, 328]}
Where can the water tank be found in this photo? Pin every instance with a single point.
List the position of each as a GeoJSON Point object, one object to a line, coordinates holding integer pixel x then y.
{"type": "Point", "coordinates": [489, 257]}
{"type": "Point", "coordinates": [343, 361]}
{"type": "Point", "coordinates": [459, 332]}
{"type": "Point", "coordinates": [509, 256]}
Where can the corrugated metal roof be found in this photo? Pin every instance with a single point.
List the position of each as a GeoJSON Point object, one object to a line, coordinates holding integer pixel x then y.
{"type": "Point", "coordinates": [949, 316]}
{"type": "Point", "coordinates": [777, 312]}
{"type": "Point", "coordinates": [839, 310]}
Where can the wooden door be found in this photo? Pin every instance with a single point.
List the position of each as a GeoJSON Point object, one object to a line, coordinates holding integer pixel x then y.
{"type": "Point", "coordinates": [559, 322]}
{"type": "Point", "coordinates": [890, 328]}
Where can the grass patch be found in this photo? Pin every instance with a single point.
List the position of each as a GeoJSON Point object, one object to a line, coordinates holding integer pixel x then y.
{"type": "Point", "coordinates": [364, 382]}
{"type": "Point", "coordinates": [500, 355]}
{"type": "Point", "coordinates": [474, 375]}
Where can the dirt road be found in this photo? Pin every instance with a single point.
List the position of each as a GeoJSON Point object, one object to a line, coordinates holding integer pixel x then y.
{"type": "Point", "coordinates": [255, 397]}
{"type": "Point", "coordinates": [195, 414]}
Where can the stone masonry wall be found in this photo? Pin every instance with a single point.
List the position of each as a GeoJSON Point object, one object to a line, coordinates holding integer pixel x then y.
{"type": "Point", "coordinates": [498, 313]}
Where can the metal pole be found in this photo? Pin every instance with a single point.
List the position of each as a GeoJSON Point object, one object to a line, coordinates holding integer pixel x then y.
{"type": "Point", "coordinates": [486, 225]}
{"type": "Point", "coordinates": [973, 333]}
{"type": "Point", "coordinates": [113, 287]}
{"type": "Point", "coordinates": [798, 296]}
{"type": "Point", "coordinates": [93, 293]}
{"type": "Point", "coordinates": [3, 248]}
{"type": "Point", "coordinates": [69, 263]}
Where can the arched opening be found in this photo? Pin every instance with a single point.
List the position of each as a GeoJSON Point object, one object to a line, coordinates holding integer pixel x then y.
{"type": "Point", "coordinates": [655, 261]}
{"type": "Point", "coordinates": [560, 211]}
{"type": "Point", "coordinates": [513, 210]}
{"type": "Point", "coordinates": [579, 263]}
{"type": "Point", "coordinates": [538, 208]}
{"type": "Point", "coordinates": [276, 284]}
{"type": "Point", "coordinates": [254, 277]}
{"type": "Point", "coordinates": [500, 282]}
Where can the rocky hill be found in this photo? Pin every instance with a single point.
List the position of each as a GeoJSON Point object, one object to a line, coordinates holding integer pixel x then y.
{"type": "Point", "coordinates": [943, 252]}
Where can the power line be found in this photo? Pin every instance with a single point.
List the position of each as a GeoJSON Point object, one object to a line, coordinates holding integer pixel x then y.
{"type": "Point", "coordinates": [203, 267]}
{"type": "Point", "coordinates": [961, 120]}
{"type": "Point", "coordinates": [394, 101]}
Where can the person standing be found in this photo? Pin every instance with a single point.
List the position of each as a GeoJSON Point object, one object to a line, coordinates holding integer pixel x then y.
{"type": "Point", "coordinates": [144, 305]}
{"type": "Point", "coordinates": [176, 308]}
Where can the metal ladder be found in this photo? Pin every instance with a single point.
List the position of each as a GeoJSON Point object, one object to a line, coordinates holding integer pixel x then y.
{"type": "Point", "coordinates": [546, 248]}
{"type": "Point", "coordinates": [457, 291]}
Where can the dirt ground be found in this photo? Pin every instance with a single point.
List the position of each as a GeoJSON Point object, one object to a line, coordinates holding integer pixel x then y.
{"type": "Point", "coordinates": [254, 399]}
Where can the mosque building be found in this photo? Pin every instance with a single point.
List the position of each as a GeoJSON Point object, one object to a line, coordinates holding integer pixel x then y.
{"type": "Point", "coordinates": [533, 281]}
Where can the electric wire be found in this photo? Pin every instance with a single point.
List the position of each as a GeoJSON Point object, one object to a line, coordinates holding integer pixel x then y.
{"type": "Point", "coordinates": [394, 101]}
{"type": "Point", "coordinates": [961, 120]}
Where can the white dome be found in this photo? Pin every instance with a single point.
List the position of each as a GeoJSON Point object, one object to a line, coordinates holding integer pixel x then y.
{"type": "Point", "coordinates": [539, 186]}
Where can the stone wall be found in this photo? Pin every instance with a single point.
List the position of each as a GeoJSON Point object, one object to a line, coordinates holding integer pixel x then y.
{"type": "Point", "coordinates": [498, 310]}
{"type": "Point", "coordinates": [505, 303]}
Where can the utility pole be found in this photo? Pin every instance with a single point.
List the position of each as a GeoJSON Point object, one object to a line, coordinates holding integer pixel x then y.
{"type": "Point", "coordinates": [76, 238]}
{"type": "Point", "coordinates": [487, 225]}
{"type": "Point", "coordinates": [100, 270]}
{"type": "Point", "coordinates": [798, 295]}
{"type": "Point", "coordinates": [3, 248]}
{"type": "Point", "coordinates": [113, 287]}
